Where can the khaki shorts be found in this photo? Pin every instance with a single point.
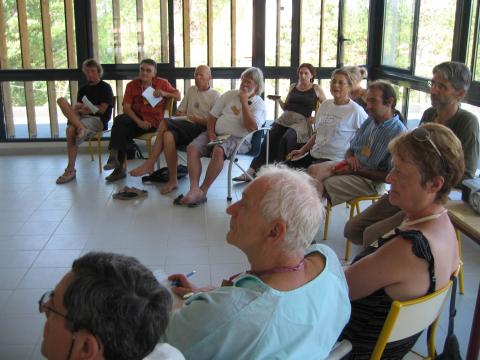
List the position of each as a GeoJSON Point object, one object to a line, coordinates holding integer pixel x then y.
{"type": "Point", "coordinates": [341, 188]}
{"type": "Point", "coordinates": [229, 146]}
{"type": "Point", "coordinates": [92, 123]}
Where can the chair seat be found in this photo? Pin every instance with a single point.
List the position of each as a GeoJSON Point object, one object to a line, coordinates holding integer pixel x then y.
{"type": "Point", "coordinates": [147, 136]}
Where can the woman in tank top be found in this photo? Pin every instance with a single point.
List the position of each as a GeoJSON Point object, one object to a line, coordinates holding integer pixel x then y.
{"type": "Point", "coordinates": [420, 255]}
{"type": "Point", "coordinates": [291, 129]}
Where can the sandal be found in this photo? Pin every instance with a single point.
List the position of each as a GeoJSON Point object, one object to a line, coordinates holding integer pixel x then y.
{"type": "Point", "coordinates": [243, 178]}
{"type": "Point", "coordinates": [67, 176]}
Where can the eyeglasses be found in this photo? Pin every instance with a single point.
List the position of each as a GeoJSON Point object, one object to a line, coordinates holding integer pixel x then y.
{"type": "Point", "coordinates": [338, 82]}
{"type": "Point", "coordinates": [433, 84]}
{"type": "Point", "coordinates": [421, 134]}
{"type": "Point", "coordinates": [42, 304]}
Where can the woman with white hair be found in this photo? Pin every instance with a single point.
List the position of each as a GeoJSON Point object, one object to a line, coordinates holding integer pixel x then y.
{"type": "Point", "coordinates": [292, 303]}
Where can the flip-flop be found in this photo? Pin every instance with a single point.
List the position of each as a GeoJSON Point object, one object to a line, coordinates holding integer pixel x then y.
{"type": "Point", "coordinates": [177, 200]}
{"type": "Point", "coordinates": [197, 203]}
{"type": "Point", "coordinates": [139, 192]}
{"type": "Point", "coordinates": [242, 178]}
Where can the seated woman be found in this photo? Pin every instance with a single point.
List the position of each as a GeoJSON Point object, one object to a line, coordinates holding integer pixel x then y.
{"type": "Point", "coordinates": [292, 304]}
{"type": "Point", "coordinates": [422, 253]}
{"type": "Point", "coordinates": [291, 128]}
{"type": "Point", "coordinates": [336, 122]}
{"type": "Point", "coordinates": [357, 93]}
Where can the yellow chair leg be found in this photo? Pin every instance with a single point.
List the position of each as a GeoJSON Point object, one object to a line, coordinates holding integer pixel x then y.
{"type": "Point", "coordinates": [327, 221]}
{"type": "Point", "coordinates": [354, 206]}
{"type": "Point", "coordinates": [99, 149]}
{"type": "Point", "coordinates": [460, 274]}
{"type": "Point", "coordinates": [90, 149]}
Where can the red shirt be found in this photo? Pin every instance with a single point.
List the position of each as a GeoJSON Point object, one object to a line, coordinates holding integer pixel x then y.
{"type": "Point", "coordinates": [141, 107]}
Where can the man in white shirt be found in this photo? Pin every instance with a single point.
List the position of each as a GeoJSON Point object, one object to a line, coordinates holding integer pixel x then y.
{"type": "Point", "coordinates": [195, 110]}
{"type": "Point", "coordinates": [235, 113]}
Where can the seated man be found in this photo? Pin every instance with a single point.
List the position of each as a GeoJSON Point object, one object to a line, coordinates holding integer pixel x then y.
{"type": "Point", "coordinates": [292, 303]}
{"type": "Point", "coordinates": [139, 116]}
{"type": "Point", "coordinates": [235, 114]}
{"type": "Point", "coordinates": [83, 120]}
{"type": "Point", "coordinates": [450, 83]}
{"type": "Point", "coordinates": [367, 162]}
{"type": "Point", "coordinates": [196, 106]}
{"type": "Point", "coordinates": [108, 306]}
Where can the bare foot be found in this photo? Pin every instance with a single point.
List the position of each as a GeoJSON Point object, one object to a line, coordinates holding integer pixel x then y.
{"type": "Point", "coordinates": [143, 169]}
{"type": "Point", "coordinates": [193, 196]}
{"type": "Point", "coordinates": [168, 187]}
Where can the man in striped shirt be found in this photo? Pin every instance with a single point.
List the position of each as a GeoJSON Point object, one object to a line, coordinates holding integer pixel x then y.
{"type": "Point", "coordinates": [367, 162]}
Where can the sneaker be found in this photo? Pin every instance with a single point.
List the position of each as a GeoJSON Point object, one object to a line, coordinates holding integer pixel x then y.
{"type": "Point", "coordinates": [117, 174]}
{"type": "Point", "coordinates": [112, 163]}
{"type": "Point", "coordinates": [67, 176]}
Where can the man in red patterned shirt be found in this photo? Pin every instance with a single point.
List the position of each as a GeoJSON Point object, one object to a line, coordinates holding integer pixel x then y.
{"type": "Point", "coordinates": [139, 116]}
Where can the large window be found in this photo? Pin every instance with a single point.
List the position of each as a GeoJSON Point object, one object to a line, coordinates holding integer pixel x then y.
{"type": "Point", "coordinates": [397, 35]}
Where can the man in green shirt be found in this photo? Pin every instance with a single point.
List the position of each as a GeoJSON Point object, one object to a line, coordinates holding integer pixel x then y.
{"type": "Point", "coordinates": [449, 84]}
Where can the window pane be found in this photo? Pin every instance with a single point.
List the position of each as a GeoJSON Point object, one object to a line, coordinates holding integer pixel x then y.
{"type": "Point", "coordinates": [330, 36]}
{"type": "Point", "coordinates": [178, 33]}
{"type": "Point", "coordinates": [152, 30]}
{"type": "Point", "coordinates": [310, 32]}
{"type": "Point", "coordinates": [35, 35]}
{"type": "Point", "coordinates": [128, 32]}
{"type": "Point", "coordinates": [312, 35]}
{"type": "Point", "coordinates": [356, 30]}
{"type": "Point", "coordinates": [198, 32]}
{"type": "Point", "coordinates": [418, 102]}
{"type": "Point", "coordinates": [12, 35]}
{"type": "Point", "coordinates": [244, 33]}
{"type": "Point", "coordinates": [59, 40]}
{"type": "Point", "coordinates": [398, 33]}
{"type": "Point", "coordinates": [471, 34]}
{"type": "Point", "coordinates": [221, 33]}
{"type": "Point", "coordinates": [283, 86]}
{"type": "Point", "coordinates": [105, 34]}
{"type": "Point", "coordinates": [436, 17]}
{"type": "Point", "coordinates": [285, 33]}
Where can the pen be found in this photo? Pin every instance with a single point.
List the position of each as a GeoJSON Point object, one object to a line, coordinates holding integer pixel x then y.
{"type": "Point", "coordinates": [177, 283]}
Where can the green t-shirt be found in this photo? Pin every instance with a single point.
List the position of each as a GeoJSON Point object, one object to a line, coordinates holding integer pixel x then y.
{"type": "Point", "coordinates": [465, 125]}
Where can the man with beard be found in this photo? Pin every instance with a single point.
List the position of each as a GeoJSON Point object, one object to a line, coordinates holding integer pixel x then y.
{"type": "Point", "coordinates": [89, 115]}
{"type": "Point", "coordinates": [449, 84]}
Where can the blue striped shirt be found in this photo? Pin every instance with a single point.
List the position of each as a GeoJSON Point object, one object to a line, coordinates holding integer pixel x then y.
{"type": "Point", "coordinates": [376, 137]}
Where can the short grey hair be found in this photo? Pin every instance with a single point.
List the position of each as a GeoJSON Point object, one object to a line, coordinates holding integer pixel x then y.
{"type": "Point", "coordinates": [456, 73]}
{"type": "Point", "coordinates": [92, 63]}
{"type": "Point", "coordinates": [291, 195]}
{"type": "Point", "coordinates": [256, 75]}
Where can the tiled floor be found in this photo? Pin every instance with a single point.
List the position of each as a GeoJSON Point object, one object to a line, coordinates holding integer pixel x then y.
{"type": "Point", "coordinates": [44, 226]}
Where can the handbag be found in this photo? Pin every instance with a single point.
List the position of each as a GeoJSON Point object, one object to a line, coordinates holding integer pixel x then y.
{"type": "Point", "coordinates": [451, 348]}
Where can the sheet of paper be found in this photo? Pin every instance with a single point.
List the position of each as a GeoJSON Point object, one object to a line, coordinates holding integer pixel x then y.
{"type": "Point", "coordinates": [148, 95]}
{"type": "Point", "coordinates": [220, 140]}
{"type": "Point", "coordinates": [89, 104]}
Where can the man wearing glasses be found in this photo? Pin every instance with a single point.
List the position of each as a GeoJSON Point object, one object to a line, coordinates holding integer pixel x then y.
{"type": "Point", "coordinates": [367, 161]}
{"type": "Point", "coordinates": [108, 306]}
{"type": "Point", "coordinates": [449, 84]}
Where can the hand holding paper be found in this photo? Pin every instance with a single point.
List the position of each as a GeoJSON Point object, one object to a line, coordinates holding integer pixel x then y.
{"type": "Point", "coordinates": [149, 95]}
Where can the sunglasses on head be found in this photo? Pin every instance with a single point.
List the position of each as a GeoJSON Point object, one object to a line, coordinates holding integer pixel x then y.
{"type": "Point", "coordinates": [422, 135]}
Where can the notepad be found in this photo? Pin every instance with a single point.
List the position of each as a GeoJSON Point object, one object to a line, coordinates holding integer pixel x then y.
{"type": "Point", "coordinates": [148, 95]}
{"type": "Point", "coordinates": [89, 104]}
{"type": "Point", "coordinates": [220, 140]}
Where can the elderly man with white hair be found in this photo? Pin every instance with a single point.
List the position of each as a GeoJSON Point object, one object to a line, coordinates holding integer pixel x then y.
{"type": "Point", "coordinates": [292, 303]}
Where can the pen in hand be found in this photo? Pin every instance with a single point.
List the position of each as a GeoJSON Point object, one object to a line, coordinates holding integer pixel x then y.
{"type": "Point", "coordinates": [177, 282]}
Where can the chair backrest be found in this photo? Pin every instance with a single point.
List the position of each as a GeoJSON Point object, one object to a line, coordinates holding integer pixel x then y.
{"type": "Point", "coordinates": [407, 318]}
{"type": "Point", "coordinates": [169, 107]}
{"type": "Point", "coordinates": [256, 142]}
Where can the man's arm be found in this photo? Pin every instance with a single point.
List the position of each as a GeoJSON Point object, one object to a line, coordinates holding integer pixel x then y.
{"type": "Point", "coordinates": [212, 120]}
{"type": "Point", "coordinates": [248, 119]}
{"type": "Point", "coordinates": [127, 109]}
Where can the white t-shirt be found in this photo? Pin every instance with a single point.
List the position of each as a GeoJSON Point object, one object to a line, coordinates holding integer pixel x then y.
{"type": "Point", "coordinates": [228, 112]}
{"type": "Point", "coordinates": [198, 103]}
{"type": "Point", "coordinates": [335, 126]}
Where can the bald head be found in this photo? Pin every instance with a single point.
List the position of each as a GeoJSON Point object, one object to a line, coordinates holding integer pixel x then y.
{"type": "Point", "coordinates": [203, 75]}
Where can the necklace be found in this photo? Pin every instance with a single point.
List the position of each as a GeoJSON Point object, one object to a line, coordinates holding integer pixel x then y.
{"type": "Point", "coordinates": [274, 270]}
